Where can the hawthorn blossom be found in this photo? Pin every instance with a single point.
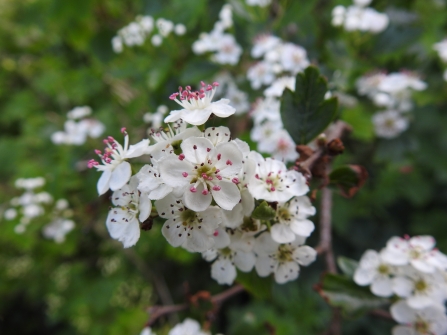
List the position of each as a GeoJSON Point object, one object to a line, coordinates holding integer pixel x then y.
{"type": "Point", "coordinates": [198, 106]}
{"type": "Point", "coordinates": [151, 183]}
{"type": "Point", "coordinates": [204, 172]}
{"type": "Point", "coordinates": [123, 221]}
{"type": "Point", "coordinates": [372, 270]}
{"type": "Point", "coordinates": [389, 124]}
{"type": "Point", "coordinates": [228, 51]}
{"type": "Point", "coordinates": [266, 109]}
{"type": "Point", "coordinates": [283, 260]}
{"type": "Point", "coordinates": [293, 58]}
{"type": "Point", "coordinates": [292, 220]}
{"type": "Point", "coordinates": [187, 327]}
{"type": "Point", "coordinates": [279, 85]}
{"type": "Point", "coordinates": [116, 171]}
{"type": "Point", "coordinates": [441, 48]}
{"type": "Point", "coordinates": [260, 74]}
{"type": "Point", "coordinates": [185, 227]}
{"type": "Point", "coordinates": [260, 3]}
{"type": "Point", "coordinates": [272, 182]}
{"type": "Point", "coordinates": [264, 43]}
{"type": "Point", "coordinates": [57, 229]}
{"type": "Point", "coordinates": [429, 320]}
{"type": "Point", "coordinates": [416, 251]}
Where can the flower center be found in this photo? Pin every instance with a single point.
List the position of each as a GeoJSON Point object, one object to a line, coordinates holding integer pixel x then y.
{"type": "Point", "coordinates": [193, 100]}
{"type": "Point", "coordinates": [420, 286]}
{"type": "Point", "coordinates": [422, 327]}
{"type": "Point", "coordinates": [188, 217]}
{"type": "Point", "coordinates": [284, 254]}
{"type": "Point", "coordinates": [383, 269]}
{"type": "Point", "coordinates": [248, 224]}
{"type": "Point", "coordinates": [284, 214]}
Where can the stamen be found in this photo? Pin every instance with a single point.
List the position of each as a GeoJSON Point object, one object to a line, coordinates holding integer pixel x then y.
{"type": "Point", "coordinates": [181, 157]}
{"type": "Point", "coordinates": [216, 188]}
{"type": "Point", "coordinates": [184, 174]}
{"type": "Point", "coordinates": [193, 189]}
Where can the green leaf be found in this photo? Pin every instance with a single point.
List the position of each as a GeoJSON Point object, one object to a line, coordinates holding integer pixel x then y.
{"type": "Point", "coordinates": [263, 212]}
{"type": "Point", "coordinates": [349, 179]}
{"type": "Point", "coordinates": [259, 287]}
{"type": "Point", "coordinates": [341, 291]}
{"type": "Point", "coordinates": [347, 265]}
{"type": "Point", "coordinates": [305, 112]}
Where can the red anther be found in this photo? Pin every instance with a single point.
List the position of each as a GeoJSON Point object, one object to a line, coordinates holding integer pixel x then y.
{"type": "Point", "coordinates": [202, 83]}
{"type": "Point", "coordinates": [235, 180]}
{"type": "Point", "coordinates": [194, 147]}
{"type": "Point", "coordinates": [105, 141]}
{"type": "Point", "coordinates": [269, 181]}
{"type": "Point", "coordinates": [204, 176]}
{"type": "Point", "coordinates": [219, 156]}
{"type": "Point", "coordinates": [406, 236]}
{"type": "Point", "coordinates": [185, 174]}
{"type": "Point", "coordinates": [173, 96]}
{"type": "Point", "coordinates": [215, 84]}
{"type": "Point", "coordinates": [216, 188]}
{"type": "Point", "coordinates": [209, 178]}
{"type": "Point", "coordinates": [193, 189]}
{"type": "Point", "coordinates": [188, 88]}
{"type": "Point", "coordinates": [205, 192]}
{"type": "Point", "coordinates": [216, 233]}
{"type": "Point", "coordinates": [181, 157]}
{"type": "Point", "coordinates": [272, 189]}
{"type": "Point", "coordinates": [256, 176]}
{"type": "Point", "coordinates": [180, 88]}
{"type": "Point", "coordinates": [108, 160]}
{"type": "Point", "coordinates": [228, 162]}
{"type": "Point", "coordinates": [208, 149]}
{"type": "Point", "coordinates": [123, 130]}
{"type": "Point", "coordinates": [209, 88]}
{"type": "Point", "coordinates": [201, 91]}
{"type": "Point", "coordinates": [218, 177]}
{"type": "Point", "coordinates": [217, 170]}
{"type": "Point", "coordinates": [201, 96]}
{"type": "Point", "coordinates": [98, 152]}
{"type": "Point", "coordinates": [185, 93]}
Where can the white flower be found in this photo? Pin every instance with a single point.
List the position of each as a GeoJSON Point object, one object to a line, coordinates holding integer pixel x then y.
{"type": "Point", "coordinates": [57, 229]}
{"type": "Point", "coordinates": [204, 172]}
{"type": "Point", "coordinates": [147, 331]}
{"type": "Point", "coordinates": [238, 98]}
{"type": "Point", "coordinates": [272, 181]}
{"type": "Point", "coordinates": [420, 289]}
{"type": "Point", "coordinates": [117, 44]}
{"type": "Point", "coordinates": [187, 327]}
{"type": "Point", "coordinates": [362, 3]}
{"type": "Point", "coordinates": [430, 320]}
{"type": "Point", "coordinates": [416, 251]}
{"type": "Point", "coordinates": [293, 58]}
{"type": "Point", "coordinates": [185, 227]}
{"type": "Point", "coordinates": [441, 48]}
{"type": "Point", "coordinates": [164, 26]}
{"type": "Point", "coordinates": [30, 183]}
{"type": "Point", "coordinates": [79, 112]}
{"type": "Point", "coordinates": [266, 109]}
{"type": "Point", "coordinates": [292, 220]}
{"type": "Point", "coordinates": [283, 260]}
{"type": "Point", "coordinates": [265, 134]}
{"type": "Point", "coordinates": [389, 124]}
{"type": "Point", "coordinates": [260, 3]}
{"type": "Point", "coordinates": [151, 183]}
{"type": "Point", "coordinates": [116, 171]}
{"type": "Point", "coordinates": [279, 85]}
{"type": "Point", "coordinates": [156, 40]}
{"type": "Point", "coordinates": [228, 51]}
{"type": "Point", "coordinates": [123, 221]}
{"type": "Point", "coordinates": [147, 23]}
{"type": "Point", "coordinates": [180, 29]}
{"type": "Point", "coordinates": [372, 270]}
{"type": "Point", "coordinates": [264, 43]}
{"type": "Point", "coordinates": [260, 74]}
{"type": "Point", "coordinates": [10, 214]}
{"type": "Point", "coordinates": [280, 145]}
{"type": "Point", "coordinates": [198, 106]}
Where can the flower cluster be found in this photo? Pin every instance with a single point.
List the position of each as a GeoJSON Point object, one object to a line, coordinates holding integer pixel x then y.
{"type": "Point", "coordinates": [415, 272]}
{"type": "Point", "coordinates": [224, 47]}
{"type": "Point", "coordinates": [77, 128]}
{"type": "Point", "coordinates": [279, 65]}
{"type": "Point", "coordinates": [32, 204]}
{"type": "Point", "coordinates": [156, 119]}
{"type": "Point", "coordinates": [136, 32]}
{"type": "Point", "coordinates": [393, 92]}
{"type": "Point", "coordinates": [187, 327]}
{"type": "Point", "coordinates": [441, 48]}
{"type": "Point", "coordinates": [359, 17]}
{"type": "Point", "coordinates": [205, 186]}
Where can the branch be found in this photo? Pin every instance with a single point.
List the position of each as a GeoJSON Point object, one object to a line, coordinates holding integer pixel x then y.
{"type": "Point", "coordinates": [158, 311]}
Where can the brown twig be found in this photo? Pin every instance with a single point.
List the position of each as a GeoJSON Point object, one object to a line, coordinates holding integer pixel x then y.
{"type": "Point", "coordinates": [156, 312]}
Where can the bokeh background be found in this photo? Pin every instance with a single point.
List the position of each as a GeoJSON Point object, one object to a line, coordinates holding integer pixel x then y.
{"type": "Point", "coordinates": [55, 55]}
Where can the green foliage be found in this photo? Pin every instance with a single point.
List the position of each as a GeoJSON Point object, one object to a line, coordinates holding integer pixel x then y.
{"type": "Point", "coordinates": [263, 212]}
{"type": "Point", "coordinates": [305, 112]}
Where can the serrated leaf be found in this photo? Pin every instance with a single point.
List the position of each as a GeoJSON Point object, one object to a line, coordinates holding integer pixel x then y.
{"type": "Point", "coordinates": [349, 179]}
{"type": "Point", "coordinates": [340, 291]}
{"type": "Point", "coordinates": [305, 112]}
{"type": "Point", "coordinates": [347, 265]}
{"type": "Point", "coordinates": [263, 212]}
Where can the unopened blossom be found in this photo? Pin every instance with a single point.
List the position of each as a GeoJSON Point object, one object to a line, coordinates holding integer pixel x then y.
{"type": "Point", "coordinates": [416, 251]}
{"type": "Point", "coordinates": [147, 331]}
{"type": "Point", "coordinates": [188, 327]}
{"type": "Point", "coordinates": [283, 260]}
{"type": "Point", "coordinates": [116, 171]}
{"type": "Point", "coordinates": [374, 271]}
{"type": "Point", "coordinates": [430, 320]}
{"type": "Point", "coordinates": [204, 172]}
{"type": "Point", "coordinates": [165, 27]}
{"type": "Point", "coordinates": [273, 182]}
{"type": "Point", "coordinates": [123, 221]}
{"type": "Point", "coordinates": [198, 105]}
{"type": "Point", "coordinates": [359, 17]}
{"type": "Point", "coordinates": [389, 124]}
{"type": "Point", "coordinates": [292, 220]}
{"type": "Point", "coordinates": [185, 227]}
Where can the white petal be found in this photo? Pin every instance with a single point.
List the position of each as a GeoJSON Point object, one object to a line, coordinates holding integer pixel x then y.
{"type": "Point", "coordinates": [423, 265]}
{"type": "Point", "coordinates": [138, 149]}
{"type": "Point", "coordinates": [287, 272]}
{"type": "Point", "coordinates": [382, 287]}
{"type": "Point", "coordinates": [424, 242]}
{"type": "Point", "coordinates": [203, 149]}
{"type": "Point", "coordinates": [403, 330]}
{"type": "Point", "coordinates": [145, 207]}
{"type": "Point", "coordinates": [248, 202]}
{"type": "Point", "coordinates": [265, 245]}
{"type": "Point", "coordinates": [221, 238]}
{"type": "Point", "coordinates": [228, 196]}
{"type": "Point", "coordinates": [103, 182]}
{"type": "Point", "coordinates": [244, 261]}
{"type": "Point", "coordinates": [160, 192]}
{"type": "Point", "coordinates": [120, 176]}
{"type": "Point", "coordinates": [302, 227]}
{"type": "Point", "coordinates": [197, 201]}
{"type": "Point", "coordinates": [223, 271]}
{"type": "Point", "coordinates": [217, 134]}
{"type": "Point", "coordinates": [172, 171]}
{"type": "Point", "coordinates": [233, 218]}
{"type": "Point", "coordinates": [282, 233]}
{"type": "Point", "coordinates": [164, 208]}
{"type": "Point", "coordinates": [174, 233]}
{"type": "Point", "coordinates": [305, 255]}
{"type": "Point", "coordinates": [265, 265]}
{"type": "Point", "coordinates": [131, 234]}
{"type": "Point", "coordinates": [403, 287]}
{"type": "Point", "coordinates": [222, 109]}
{"type": "Point", "coordinates": [209, 255]}
{"type": "Point", "coordinates": [364, 276]}
{"type": "Point", "coordinates": [402, 313]}
{"type": "Point", "coordinates": [229, 152]}
{"type": "Point", "coordinates": [198, 241]}
{"type": "Point", "coordinates": [370, 260]}
{"type": "Point", "coordinates": [196, 117]}
{"type": "Point", "coordinates": [174, 116]}
{"type": "Point", "coordinates": [418, 301]}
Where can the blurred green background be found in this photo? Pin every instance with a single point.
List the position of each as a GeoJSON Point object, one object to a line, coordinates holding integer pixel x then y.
{"type": "Point", "coordinates": [55, 55]}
